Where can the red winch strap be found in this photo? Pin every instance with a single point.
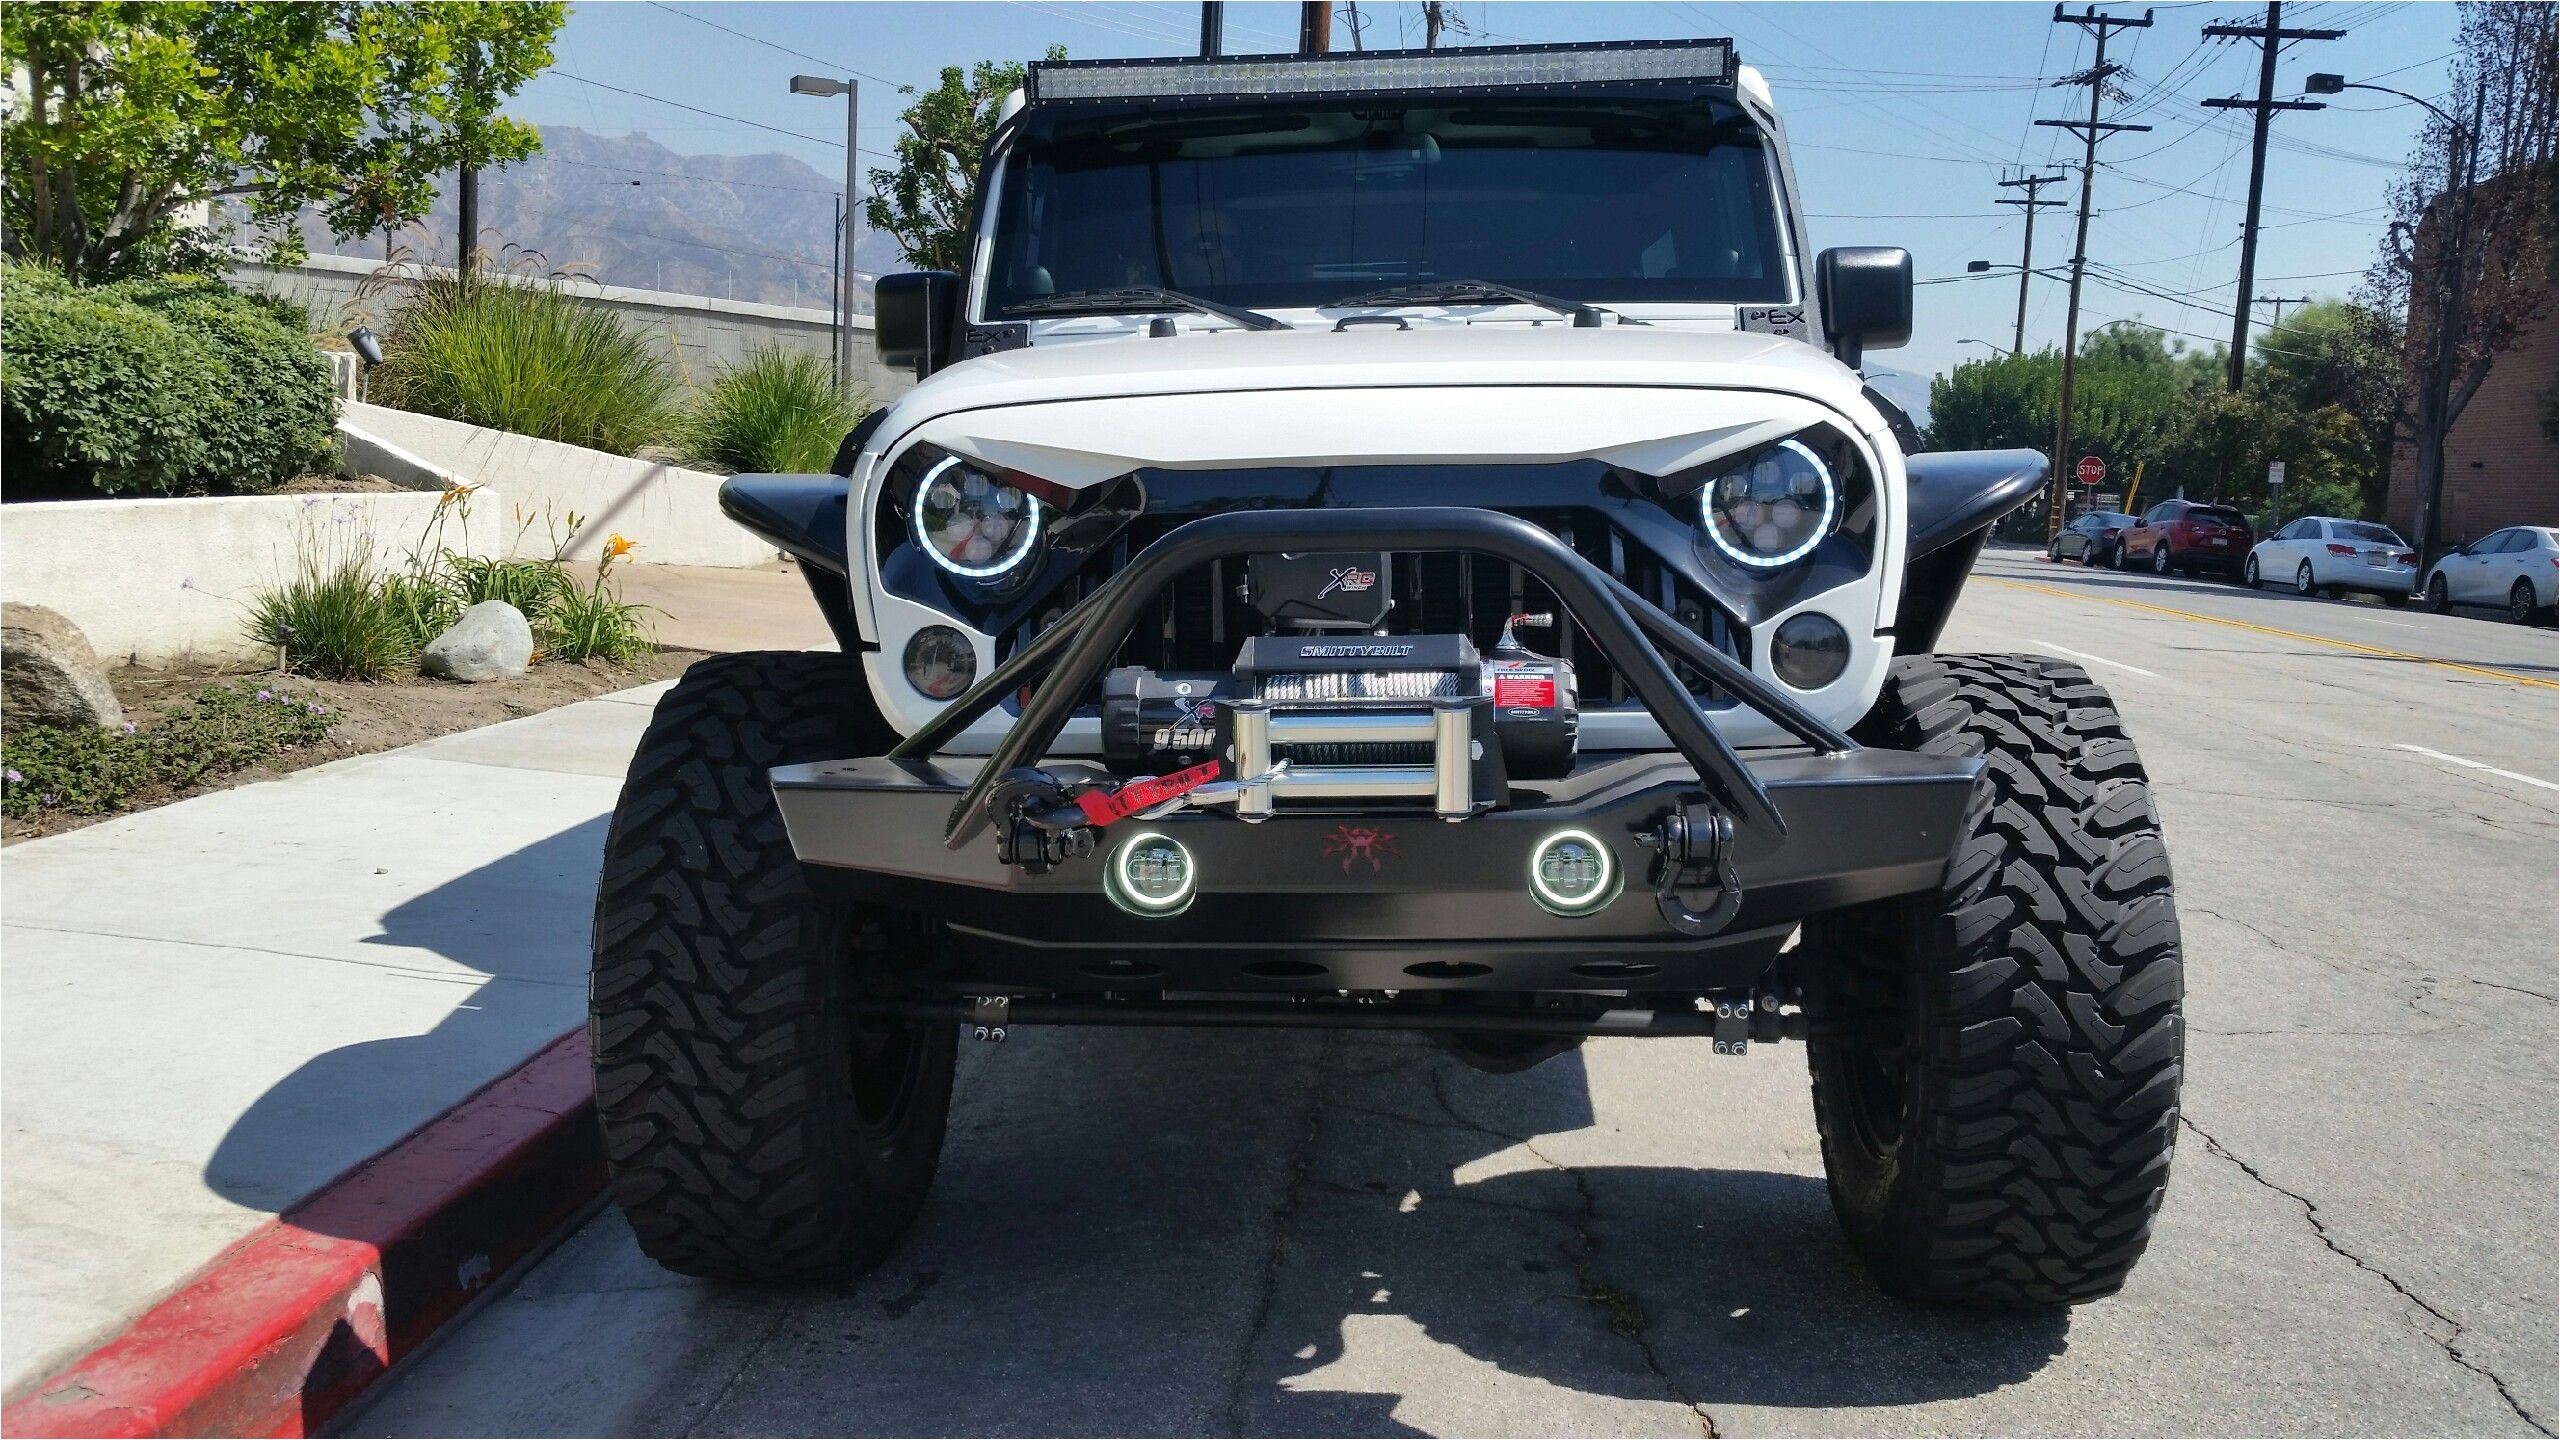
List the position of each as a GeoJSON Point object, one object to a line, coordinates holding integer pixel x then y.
{"type": "Point", "coordinates": [1104, 806]}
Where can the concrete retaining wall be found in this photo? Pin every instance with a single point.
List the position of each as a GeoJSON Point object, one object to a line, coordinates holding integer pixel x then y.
{"type": "Point", "coordinates": [707, 335]}
{"type": "Point", "coordinates": [671, 513]}
{"type": "Point", "coordinates": [158, 579]}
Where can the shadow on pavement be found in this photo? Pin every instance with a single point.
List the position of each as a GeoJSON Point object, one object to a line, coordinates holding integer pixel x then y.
{"type": "Point", "coordinates": [1270, 1234]}
{"type": "Point", "coordinates": [1701, 1286]}
{"type": "Point", "coordinates": [521, 921]}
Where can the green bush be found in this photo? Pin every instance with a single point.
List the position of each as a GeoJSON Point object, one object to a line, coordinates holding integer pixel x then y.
{"type": "Point", "coordinates": [154, 387]}
{"type": "Point", "coordinates": [779, 412]}
{"type": "Point", "coordinates": [86, 770]}
{"type": "Point", "coordinates": [279, 414]}
{"type": "Point", "coordinates": [526, 357]}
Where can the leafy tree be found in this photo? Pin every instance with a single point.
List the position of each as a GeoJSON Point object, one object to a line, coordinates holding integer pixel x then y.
{"type": "Point", "coordinates": [131, 111]}
{"type": "Point", "coordinates": [2469, 261]}
{"type": "Point", "coordinates": [924, 203]}
{"type": "Point", "coordinates": [2338, 355]}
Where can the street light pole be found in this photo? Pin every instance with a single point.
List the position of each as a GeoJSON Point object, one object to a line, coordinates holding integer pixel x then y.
{"type": "Point", "coordinates": [852, 226]}
{"type": "Point", "coordinates": [1987, 345]}
{"type": "Point", "coordinates": [2453, 240]}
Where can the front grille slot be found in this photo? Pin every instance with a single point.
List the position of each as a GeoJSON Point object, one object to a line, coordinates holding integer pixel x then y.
{"type": "Point", "coordinates": [1197, 622]}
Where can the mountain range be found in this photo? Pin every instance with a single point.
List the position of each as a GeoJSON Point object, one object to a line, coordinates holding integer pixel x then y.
{"type": "Point", "coordinates": [626, 210]}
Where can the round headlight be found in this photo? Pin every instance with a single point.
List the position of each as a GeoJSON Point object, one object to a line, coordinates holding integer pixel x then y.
{"type": "Point", "coordinates": [1809, 651]}
{"type": "Point", "coordinates": [1571, 873]}
{"type": "Point", "coordinates": [970, 522]}
{"type": "Point", "coordinates": [940, 662]}
{"type": "Point", "coordinates": [1151, 874]}
{"type": "Point", "coordinates": [1772, 510]}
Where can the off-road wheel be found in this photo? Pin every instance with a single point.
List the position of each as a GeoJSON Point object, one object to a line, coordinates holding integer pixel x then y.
{"type": "Point", "coordinates": [753, 1130]}
{"type": "Point", "coordinates": [1996, 1064]}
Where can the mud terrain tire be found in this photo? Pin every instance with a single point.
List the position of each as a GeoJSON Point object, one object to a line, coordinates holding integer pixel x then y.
{"type": "Point", "coordinates": [1996, 1065]}
{"type": "Point", "coordinates": [753, 1131]}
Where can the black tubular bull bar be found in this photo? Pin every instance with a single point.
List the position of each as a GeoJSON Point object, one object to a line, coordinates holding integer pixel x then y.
{"type": "Point", "coordinates": [1283, 909]}
{"type": "Point", "coordinates": [1084, 640]}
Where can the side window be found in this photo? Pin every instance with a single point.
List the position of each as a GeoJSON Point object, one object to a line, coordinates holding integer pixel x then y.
{"type": "Point", "coordinates": [2156, 514]}
{"type": "Point", "coordinates": [2298, 530]}
{"type": "Point", "coordinates": [2516, 542]}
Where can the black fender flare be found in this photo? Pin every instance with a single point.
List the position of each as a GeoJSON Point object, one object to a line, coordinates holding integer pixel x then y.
{"type": "Point", "coordinates": [1952, 499]}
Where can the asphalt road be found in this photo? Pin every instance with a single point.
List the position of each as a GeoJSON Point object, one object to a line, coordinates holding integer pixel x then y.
{"type": "Point", "coordinates": [1199, 1233]}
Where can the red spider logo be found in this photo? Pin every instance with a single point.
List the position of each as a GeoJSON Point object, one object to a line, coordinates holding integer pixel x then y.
{"type": "Point", "coordinates": [1360, 842]}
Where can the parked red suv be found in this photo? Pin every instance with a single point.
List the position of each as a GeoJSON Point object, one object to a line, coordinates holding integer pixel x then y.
{"type": "Point", "coordinates": [2186, 535]}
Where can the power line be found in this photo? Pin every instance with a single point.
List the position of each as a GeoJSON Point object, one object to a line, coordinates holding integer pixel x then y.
{"type": "Point", "coordinates": [716, 115]}
{"type": "Point", "coordinates": [769, 45]}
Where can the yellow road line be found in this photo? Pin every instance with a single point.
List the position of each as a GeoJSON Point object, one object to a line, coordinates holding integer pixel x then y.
{"type": "Point", "coordinates": [2271, 630]}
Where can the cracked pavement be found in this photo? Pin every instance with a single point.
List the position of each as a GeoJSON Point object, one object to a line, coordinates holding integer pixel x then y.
{"type": "Point", "coordinates": [1287, 1233]}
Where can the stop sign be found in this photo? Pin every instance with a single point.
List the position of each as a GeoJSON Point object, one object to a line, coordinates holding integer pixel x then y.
{"type": "Point", "coordinates": [2091, 470]}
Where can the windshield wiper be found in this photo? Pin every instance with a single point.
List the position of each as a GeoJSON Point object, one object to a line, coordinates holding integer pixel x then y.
{"type": "Point", "coordinates": [1133, 298]}
{"type": "Point", "coordinates": [1475, 292]}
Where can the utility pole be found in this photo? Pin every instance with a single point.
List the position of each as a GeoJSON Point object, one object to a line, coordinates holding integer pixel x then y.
{"type": "Point", "coordinates": [2027, 257]}
{"type": "Point", "coordinates": [1433, 22]}
{"type": "Point", "coordinates": [1213, 28]}
{"type": "Point", "coordinates": [2281, 301]}
{"type": "Point", "coordinates": [2270, 37]}
{"type": "Point", "coordinates": [1315, 27]}
{"type": "Point", "coordinates": [2095, 77]}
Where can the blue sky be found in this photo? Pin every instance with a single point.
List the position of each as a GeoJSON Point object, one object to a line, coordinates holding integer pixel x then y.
{"type": "Point", "coordinates": [1904, 118]}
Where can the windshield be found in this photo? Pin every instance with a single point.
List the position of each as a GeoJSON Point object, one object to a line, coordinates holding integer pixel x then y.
{"type": "Point", "coordinates": [1617, 202]}
{"type": "Point", "coordinates": [2371, 534]}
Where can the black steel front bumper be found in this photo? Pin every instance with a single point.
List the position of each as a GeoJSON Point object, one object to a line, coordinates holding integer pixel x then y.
{"type": "Point", "coordinates": [1336, 898]}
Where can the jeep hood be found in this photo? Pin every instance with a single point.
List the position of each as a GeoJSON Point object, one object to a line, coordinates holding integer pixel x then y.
{"type": "Point", "coordinates": [1651, 398]}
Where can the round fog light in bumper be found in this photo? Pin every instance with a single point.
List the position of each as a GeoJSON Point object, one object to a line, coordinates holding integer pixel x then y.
{"type": "Point", "coordinates": [1572, 873]}
{"type": "Point", "coordinates": [940, 662]}
{"type": "Point", "coordinates": [1151, 874]}
{"type": "Point", "coordinates": [1809, 651]}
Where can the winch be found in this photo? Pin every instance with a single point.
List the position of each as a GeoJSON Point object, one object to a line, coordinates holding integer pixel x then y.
{"type": "Point", "coordinates": [1338, 710]}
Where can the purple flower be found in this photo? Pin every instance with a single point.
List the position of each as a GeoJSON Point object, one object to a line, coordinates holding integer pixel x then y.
{"type": "Point", "coordinates": [16, 778]}
{"type": "Point", "coordinates": [266, 695]}
{"type": "Point", "coordinates": [128, 727]}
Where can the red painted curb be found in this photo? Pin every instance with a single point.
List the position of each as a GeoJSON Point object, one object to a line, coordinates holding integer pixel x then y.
{"type": "Point", "coordinates": [285, 1328]}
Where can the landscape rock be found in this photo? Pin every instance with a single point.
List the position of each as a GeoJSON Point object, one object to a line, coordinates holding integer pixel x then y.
{"type": "Point", "coordinates": [490, 642]}
{"type": "Point", "coordinates": [48, 673]}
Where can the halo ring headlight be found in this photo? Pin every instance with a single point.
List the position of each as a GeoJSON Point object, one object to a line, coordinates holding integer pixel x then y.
{"type": "Point", "coordinates": [1572, 872]}
{"type": "Point", "coordinates": [1773, 509]}
{"type": "Point", "coordinates": [971, 523]}
{"type": "Point", "coordinates": [1151, 873]}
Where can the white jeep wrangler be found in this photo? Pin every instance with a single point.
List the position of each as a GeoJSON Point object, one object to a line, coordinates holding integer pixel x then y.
{"type": "Point", "coordinates": [1395, 541]}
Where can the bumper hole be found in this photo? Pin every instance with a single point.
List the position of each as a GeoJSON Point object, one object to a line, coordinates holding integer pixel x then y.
{"type": "Point", "coordinates": [1283, 969]}
{"type": "Point", "coordinates": [1614, 969]}
{"type": "Point", "coordinates": [1120, 969]}
{"type": "Point", "coordinates": [1447, 970]}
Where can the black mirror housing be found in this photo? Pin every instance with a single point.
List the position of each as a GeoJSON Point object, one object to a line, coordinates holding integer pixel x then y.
{"type": "Point", "coordinates": [915, 313]}
{"type": "Point", "coordinates": [1865, 294]}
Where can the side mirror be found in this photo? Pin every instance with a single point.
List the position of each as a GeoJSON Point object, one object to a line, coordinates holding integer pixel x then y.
{"type": "Point", "coordinates": [915, 314]}
{"type": "Point", "coordinates": [1865, 294]}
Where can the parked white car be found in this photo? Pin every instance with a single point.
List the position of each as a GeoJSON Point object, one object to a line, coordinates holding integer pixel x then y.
{"type": "Point", "coordinates": [2516, 570]}
{"type": "Point", "coordinates": [2323, 554]}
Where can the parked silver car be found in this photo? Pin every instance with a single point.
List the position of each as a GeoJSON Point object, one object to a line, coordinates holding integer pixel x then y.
{"type": "Point", "coordinates": [2324, 554]}
{"type": "Point", "coordinates": [2516, 570]}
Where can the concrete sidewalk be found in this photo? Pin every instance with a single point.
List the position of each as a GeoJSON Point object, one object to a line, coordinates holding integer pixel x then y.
{"type": "Point", "coordinates": [214, 1008]}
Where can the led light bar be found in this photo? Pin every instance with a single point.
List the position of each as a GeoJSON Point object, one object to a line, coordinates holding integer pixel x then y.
{"type": "Point", "coordinates": [1476, 68]}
